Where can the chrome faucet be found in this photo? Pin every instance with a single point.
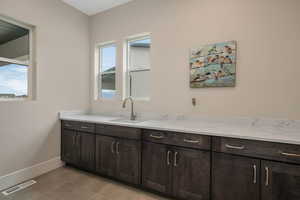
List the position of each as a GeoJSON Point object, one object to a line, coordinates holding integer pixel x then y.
{"type": "Point", "coordinates": [132, 115]}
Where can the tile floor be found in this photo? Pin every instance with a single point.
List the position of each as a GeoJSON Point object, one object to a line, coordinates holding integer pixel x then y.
{"type": "Point", "coordinates": [71, 184]}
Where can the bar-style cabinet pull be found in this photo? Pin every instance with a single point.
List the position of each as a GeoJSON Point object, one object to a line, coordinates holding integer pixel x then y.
{"type": "Point", "coordinates": [191, 141]}
{"type": "Point", "coordinates": [112, 146]}
{"type": "Point", "coordinates": [168, 157]}
{"type": "Point", "coordinates": [157, 136]}
{"type": "Point", "coordinates": [175, 159]}
{"type": "Point", "coordinates": [117, 147]}
{"type": "Point", "coordinates": [267, 176]}
{"type": "Point", "coordinates": [289, 154]}
{"type": "Point", "coordinates": [254, 174]}
{"type": "Point", "coordinates": [234, 147]}
{"type": "Point", "coordinates": [84, 127]}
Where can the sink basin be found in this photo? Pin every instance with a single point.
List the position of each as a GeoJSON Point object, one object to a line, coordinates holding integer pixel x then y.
{"type": "Point", "coordinates": [122, 120]}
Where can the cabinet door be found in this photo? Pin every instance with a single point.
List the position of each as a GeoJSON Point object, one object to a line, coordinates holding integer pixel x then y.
{"type": "Point", "coordinates": [191, 174]}
{"type": "Point", "coordinates": [87, 151]}
{"type": "Point", "coordinates": [105, 155]}
{"type": "Point", "coordinates": [280, 181]}
{"type": "Point", "coordinates": [128, 160]}
{"type": "Point", "coordinates": [156, 167]}
{"type": "Point", "coordinates": [235, 177]}
{"type": "Point", "coordinates": [69, 149]}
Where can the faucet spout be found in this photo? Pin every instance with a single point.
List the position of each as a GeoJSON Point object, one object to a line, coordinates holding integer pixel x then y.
{"type": "Point", "coordinates": [132, 115]}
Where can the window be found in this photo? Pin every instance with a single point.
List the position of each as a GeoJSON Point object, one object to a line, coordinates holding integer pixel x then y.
{"type": "Point", "coordinates": [138, 68]}
{"type": "Point", "coordinates": [107, 71]}
{"type": "Point", "coordinates": [15, 60]}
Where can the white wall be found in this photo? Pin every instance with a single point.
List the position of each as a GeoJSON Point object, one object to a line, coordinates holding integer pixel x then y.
{"type": "Point", "coordinates": [267, 33]}
{"type": "Point", "coordinates": [30, 130]}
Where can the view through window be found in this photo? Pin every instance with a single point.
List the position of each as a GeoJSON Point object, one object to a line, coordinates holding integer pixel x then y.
{"type": "Point", "coordinates": [14, 60]}
{"type": "Point", "coordinates": [138, 84]}
{"type": "Point", "coordinates": [107, 76]}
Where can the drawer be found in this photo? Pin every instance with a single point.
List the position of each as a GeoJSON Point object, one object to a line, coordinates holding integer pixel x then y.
{"type": "Point", "coordinates": [191, 140]}
{"type": "Point", "coordinates": [258, 149]}
{"type": "Point", "coordinates": [119, 131]}
{"type": "Point", "coordinates": [79, 126]}
{"type": "Point", "coordinates": [178, 139]}
{"type": "Point", "coordinates": [156, 136]}
{"type": "Point", "coordinates": [87, 127]}
{"type": "Point", "coordinates": [70, 125]}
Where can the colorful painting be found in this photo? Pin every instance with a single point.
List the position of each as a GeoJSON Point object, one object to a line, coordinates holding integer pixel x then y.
{"type": "Point", "coordinates": [213, 65]}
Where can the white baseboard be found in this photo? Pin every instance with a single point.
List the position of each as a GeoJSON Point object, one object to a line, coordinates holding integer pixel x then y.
{"type": "Point", "coordinates": [25, 174]}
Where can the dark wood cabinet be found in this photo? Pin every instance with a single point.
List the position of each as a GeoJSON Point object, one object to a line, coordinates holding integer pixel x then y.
{"type": "Point", "coordinates": [280, 181]}
{"type": "Point", "coordinates": [118, 158]}
{"type": "Point", "coordinates": [178, 172]}
{"type": "Point", "coordinates": [191, 174]}
{"type": "Point", "coordinates": [78, 148]}
{"type": "Point", "coordinates": [106, 161]}
{"type": "Point", "coordinates": [87, 150]}
{"type": "Point", "coordinates": [70, 152]}
{"type": "Point", "coordinates": [235, 177]}
{"type": "Point", "coordinates": [156, 159]}
{"type": "Point", "coordinates": [183, 165]}
{"type": "Point", "coordinates": [128, 160]}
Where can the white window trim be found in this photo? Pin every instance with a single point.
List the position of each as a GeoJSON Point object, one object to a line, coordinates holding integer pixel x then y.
{"type": "Point", "coordinates": [98, 73]}
{"type": "Point", "coordinates": [126, 70]}
{"type": "Point", "coordinates": [31, 82]}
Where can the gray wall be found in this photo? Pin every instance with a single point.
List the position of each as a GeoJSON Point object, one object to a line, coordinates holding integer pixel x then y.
{"type": "Point", "coordinates": [30, 130]}
{"type": "Point", "coordinates": [267, 33]}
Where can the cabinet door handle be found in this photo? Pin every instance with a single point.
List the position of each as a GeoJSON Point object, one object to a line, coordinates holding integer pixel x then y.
{"type": "Point", "coordinates": [267, 176]}
{"type": "Point", "coordinates": [84, 127]}
{"type": "Point", "coordinates": [289, 154]}
{"type": "Point", "coordinates": [191, 141]}
{"type": "Point", "coordinates": [117, 147]}
{"type": "Point", "coordinates": [254, 174]}
{"type": "Point", "coordinates": [157, 136]}
{"type": "Point", "coordinates": [168, 157]}
{"type": "Point", "coordinates": [112, 146]}
{"type": "Point", "coordinates": [67, 125]}
{"type": "Point", "coordinates": [234, 147]}
{"type": "Point", "coordinates": [175, 159]}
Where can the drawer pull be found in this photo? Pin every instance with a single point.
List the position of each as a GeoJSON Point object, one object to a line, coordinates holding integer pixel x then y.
{"type": "Point", "coordinates": [84, 127]}
{"type": "Point", "coordinates": [267, 176]}
{"type": "Point", "coordinates": [191, 141]}
{"type": "Point", "coordinates": [289, 154]}
{"type": "Point", "coordinates": [68, 125]}
{"type": "Point", "coordinates": [112, 147]}
{"type": "Point", "coordinates": [234, 147]}
{"type": "Point", "coordinates": [157, 136]}
{"type": "Point", "coordinates": [117, 147]}
{"type": "Point", "coordinates": [175, 159]}
{"type": "Point", "coordinates": [254, 174]}
{"type": "Point", "coordinates": [168, 157]}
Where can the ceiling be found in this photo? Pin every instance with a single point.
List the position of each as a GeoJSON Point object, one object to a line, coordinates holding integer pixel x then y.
{"type": "Point", "coordinates": [10, 32]}
{"type": "Point", "coordinates": [91, 7]}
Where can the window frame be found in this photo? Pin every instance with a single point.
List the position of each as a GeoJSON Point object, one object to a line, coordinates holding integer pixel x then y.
{"type": "Point", "coordinates": [31, 64]}
{"type": "Point", "coordinates": [126, 74]}
{"type": "Point", "coordinates": [98, 68]}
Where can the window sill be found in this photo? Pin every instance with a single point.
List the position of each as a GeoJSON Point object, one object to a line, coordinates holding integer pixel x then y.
{"type": "Point", "coordinates": [15, 99]}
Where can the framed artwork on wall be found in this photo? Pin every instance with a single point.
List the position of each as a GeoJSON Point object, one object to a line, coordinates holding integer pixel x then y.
{"type": "Point", "coordinates": [213, 65]}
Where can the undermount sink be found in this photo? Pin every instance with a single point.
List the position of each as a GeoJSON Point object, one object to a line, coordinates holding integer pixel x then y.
{"type": "Point", "coordinates": [123, 120]}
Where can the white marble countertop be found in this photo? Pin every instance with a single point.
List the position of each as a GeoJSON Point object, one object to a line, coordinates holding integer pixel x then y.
{"type": "Point", "coordinates": [282, 131]}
